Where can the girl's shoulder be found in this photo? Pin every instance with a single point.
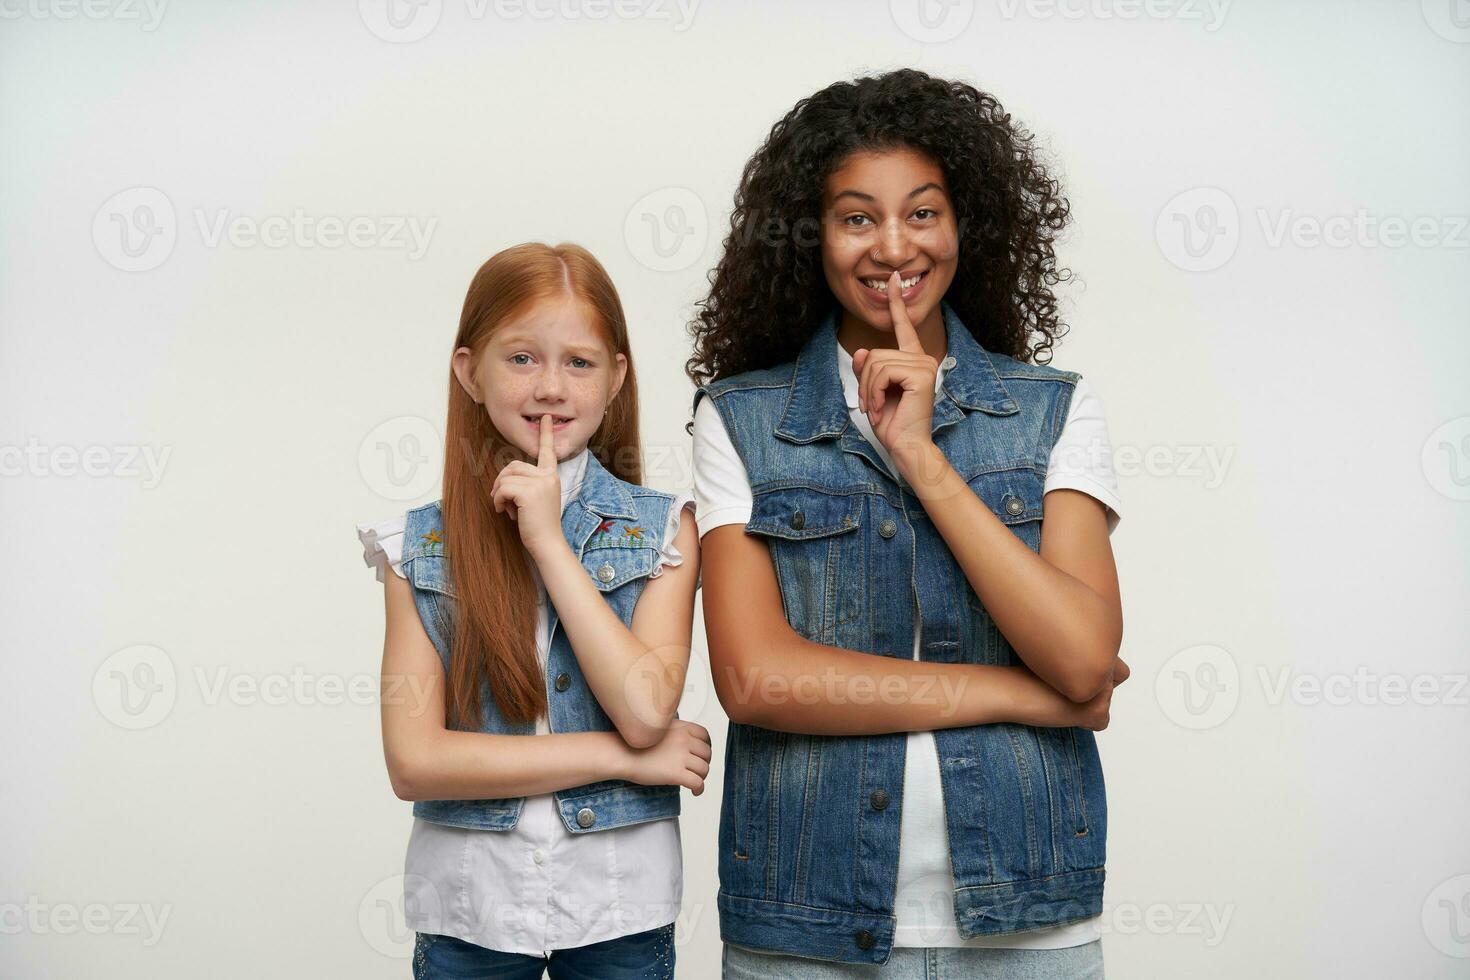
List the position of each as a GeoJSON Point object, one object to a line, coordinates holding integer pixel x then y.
{"type": "Point", "coordinates": [390, 542]}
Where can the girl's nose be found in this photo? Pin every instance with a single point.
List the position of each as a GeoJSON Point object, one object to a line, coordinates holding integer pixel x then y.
{"type": "Point", "coordinates": [894, 248]}
{"type": "Point", "coordinates": [549, 384]}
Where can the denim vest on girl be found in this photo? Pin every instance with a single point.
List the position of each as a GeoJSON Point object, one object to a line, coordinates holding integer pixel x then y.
{"type": "Point", "coordinates": [616, 530]}
{"type": "Point", "coordinates": [809, 824]}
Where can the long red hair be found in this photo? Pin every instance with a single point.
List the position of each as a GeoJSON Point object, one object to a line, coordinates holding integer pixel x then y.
{"type": "Point", "coordinates": [494, 640]}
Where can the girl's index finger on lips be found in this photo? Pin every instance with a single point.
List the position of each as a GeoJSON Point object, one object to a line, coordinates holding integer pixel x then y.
{"type": "Point", "coordinates": [904, 333]}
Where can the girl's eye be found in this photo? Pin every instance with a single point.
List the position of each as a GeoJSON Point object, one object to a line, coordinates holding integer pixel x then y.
{"type": "Point", "coordinates": [854, 217]}
{"type": "Point", "coordinates": [584, 362]}
{"type": "Point", "coordinates": [516, 362]}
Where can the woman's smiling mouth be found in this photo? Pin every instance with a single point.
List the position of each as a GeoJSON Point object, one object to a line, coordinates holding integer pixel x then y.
{"type": "Point", "coordinates": [876, 287]}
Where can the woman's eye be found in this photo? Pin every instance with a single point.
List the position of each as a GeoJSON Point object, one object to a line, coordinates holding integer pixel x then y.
{"type": "Point", "coordinates": [851, 218]}
{"type": "Point", "coordinates": [925, 211]}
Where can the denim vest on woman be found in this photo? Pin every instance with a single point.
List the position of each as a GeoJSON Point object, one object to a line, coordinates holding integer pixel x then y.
{"type": "Point", "coordinates": [809, 824]}
{"type": "Point", "coordinates": [616, 529]}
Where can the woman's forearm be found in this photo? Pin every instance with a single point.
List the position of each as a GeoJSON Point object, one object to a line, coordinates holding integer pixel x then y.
{"type": "Point", "coordinates": [1059, 627]}
{"type": "Point", "coordinates": [787, 683]}
{"type": "Point", "coordinates": [457, 765]}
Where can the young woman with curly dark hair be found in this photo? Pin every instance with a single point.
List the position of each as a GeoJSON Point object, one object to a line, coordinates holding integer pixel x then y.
{"type": "Point", "coordinates": [913, 672]}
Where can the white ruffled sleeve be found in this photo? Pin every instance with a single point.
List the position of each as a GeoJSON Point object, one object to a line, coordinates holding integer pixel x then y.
{"type": "Point", "coordinates": [668, 554]}
{"type": "Point", "coordinates": [382, 545]}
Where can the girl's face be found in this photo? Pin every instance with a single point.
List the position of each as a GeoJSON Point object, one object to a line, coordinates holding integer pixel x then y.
{"type": "Point", "coordinates": [884, 211]}
{"type": "Point", "coordinates": [551, 359]}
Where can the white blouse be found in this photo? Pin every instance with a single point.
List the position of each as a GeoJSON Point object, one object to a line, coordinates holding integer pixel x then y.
{"type": "Point", "coordinates": [537, 887]}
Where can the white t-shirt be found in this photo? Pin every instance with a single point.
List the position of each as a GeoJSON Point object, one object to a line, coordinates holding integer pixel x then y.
{"type": "Point", "coordinates": [538, 887]}
{"type": "Point", "coordinates": [923, 903]}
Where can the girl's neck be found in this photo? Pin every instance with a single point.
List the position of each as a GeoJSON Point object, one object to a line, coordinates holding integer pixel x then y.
{"type": "Point", "coordinates": [853, 334]}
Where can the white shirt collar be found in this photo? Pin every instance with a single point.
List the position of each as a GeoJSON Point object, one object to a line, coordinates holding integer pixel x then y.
{"type": "Point", "coordinates": [572, 471]}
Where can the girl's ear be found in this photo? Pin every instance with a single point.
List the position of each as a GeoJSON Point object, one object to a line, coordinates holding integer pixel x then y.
{"type": "Point", "coordinates": [619, 373]}
{"type": "Point", "coordinates": [463, 364]}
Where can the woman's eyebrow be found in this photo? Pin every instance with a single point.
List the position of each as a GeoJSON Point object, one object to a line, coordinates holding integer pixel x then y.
{"type": "Point", "coordinates": [868, 197]}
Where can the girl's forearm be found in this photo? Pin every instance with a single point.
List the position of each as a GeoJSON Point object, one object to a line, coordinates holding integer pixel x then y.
{"type": "Point", "coordinates": [1059, 627]}
{"type": "Point", "coordinates": [456, 765]}
{"type": "Point", "coordinates": [610, 656]}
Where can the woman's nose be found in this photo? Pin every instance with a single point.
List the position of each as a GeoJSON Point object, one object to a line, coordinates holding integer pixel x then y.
{"type": "Point", "coordinates": [894, 248]}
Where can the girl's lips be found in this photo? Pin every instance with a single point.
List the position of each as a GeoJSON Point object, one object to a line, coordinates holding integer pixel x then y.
{"type": "Point", "coordinates": [535, 422]}
{"type": "Point", "coordinates": [880, 298]}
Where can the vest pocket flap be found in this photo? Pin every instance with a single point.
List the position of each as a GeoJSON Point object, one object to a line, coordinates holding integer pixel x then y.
{"type": "Point", "coordinates": [617, 565]}
{"type": "Point", "coordinates": [1013, 495]}
{"type": "Point", "coordinates": [430, 572]}
{"type": "Point", "coordinates": [801, 513]}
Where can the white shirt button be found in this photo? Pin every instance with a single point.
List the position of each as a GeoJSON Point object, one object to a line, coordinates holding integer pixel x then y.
{"type": "Point", "coordinates": [538, 855]}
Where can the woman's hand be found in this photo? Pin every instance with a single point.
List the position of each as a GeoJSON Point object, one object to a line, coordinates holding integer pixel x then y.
{"type": "Point", "coordinates": [681, 758]}
{"type": "Point", "coordinates": [531, 495]}
{"type": "Point", "coordinates": [1039, 704]}
{"type": "Point", "coordinates": [896, 387]}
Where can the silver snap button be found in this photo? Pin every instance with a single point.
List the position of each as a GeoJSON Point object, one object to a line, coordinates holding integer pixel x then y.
{"type": "Point", "coordinates": [607, 573]}
{"type": "Point", "coordinates": [585, 816]}
{"type": "Point", "coordinates": [563, 681]}
{"type": "Point", "coordinates": [948, 362]}
{"type": "Point", "coordinates": [798, 520]}
{"type": "Point", "coordinates": [1014, 506]}
{"type": "Point", "coordinates": [887, 527]}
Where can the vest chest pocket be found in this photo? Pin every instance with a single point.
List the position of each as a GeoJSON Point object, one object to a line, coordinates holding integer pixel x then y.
{"type": "Point", "coordinates": [818, 550]}
{"type": "Point", "coordinates": [612, 566]}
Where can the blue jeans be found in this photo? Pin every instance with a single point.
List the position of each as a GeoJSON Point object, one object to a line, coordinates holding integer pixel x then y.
{"type": "Point", "coordinates": [640, 956]}
{"type": "Point", "coordinates": [1083, 962]}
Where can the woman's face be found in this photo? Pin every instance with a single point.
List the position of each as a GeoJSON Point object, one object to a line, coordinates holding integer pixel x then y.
{"type": "Point", "coordinates": [551, 359]}
{"type": "Point", "coordinates": [885, 211]}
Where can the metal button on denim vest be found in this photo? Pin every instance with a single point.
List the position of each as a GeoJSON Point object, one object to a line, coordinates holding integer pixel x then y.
{"type": "Point", "coordinates": [616, 529]}
{"type": "Point", "coordinates": [809, 825]}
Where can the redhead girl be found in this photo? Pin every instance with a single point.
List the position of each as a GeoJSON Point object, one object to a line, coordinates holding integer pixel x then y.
{"type": "Point", "coordinates": [538, 626]}
{"type": "Point", "coordinates": [912, 607]}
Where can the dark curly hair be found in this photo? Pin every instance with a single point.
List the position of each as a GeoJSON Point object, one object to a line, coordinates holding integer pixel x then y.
{"type": "Point", "coordinates": [768, 291]}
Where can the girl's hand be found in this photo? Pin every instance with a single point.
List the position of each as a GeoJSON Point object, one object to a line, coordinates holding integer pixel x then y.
{"type": "Point", "coordinates": [681, 758]}
{"type": "Point", "coordinates": [896, 387]}
{"type": "Point", "coordinates": [531, 495]}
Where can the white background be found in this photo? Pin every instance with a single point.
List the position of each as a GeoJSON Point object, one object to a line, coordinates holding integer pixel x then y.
{"type": "Point", "coordinates": [286, 392]}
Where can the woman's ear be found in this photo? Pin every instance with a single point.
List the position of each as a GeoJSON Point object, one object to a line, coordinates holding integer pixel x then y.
{"type": "Point", "coordinates": [619, 373]}
{"type": "Point", "coordinates": [463, 364]}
